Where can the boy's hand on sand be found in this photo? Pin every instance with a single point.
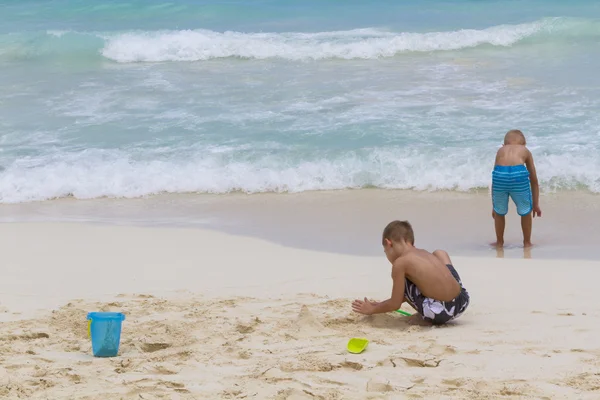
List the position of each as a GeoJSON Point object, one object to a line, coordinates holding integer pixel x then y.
{"type": "Point", "coordinates": [537, 211]}
{"type": "Point", "coordinates": [365, 307]}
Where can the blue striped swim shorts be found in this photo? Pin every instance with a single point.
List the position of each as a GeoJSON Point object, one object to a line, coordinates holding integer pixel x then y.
{"type": "Point", "coordinates": [511, 181]}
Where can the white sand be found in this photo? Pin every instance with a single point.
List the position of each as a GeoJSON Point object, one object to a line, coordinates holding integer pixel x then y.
{"type": "Point", "coordinates": [213, 316]}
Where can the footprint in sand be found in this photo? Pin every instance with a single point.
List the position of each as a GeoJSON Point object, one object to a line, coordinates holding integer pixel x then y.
{"type": "Point", "coordinates": [76, 379]}
{"type": "Point", "coordinates": [287, 337]}
{"type": "Point", "coordinates": [152, 347]}
{"type": "Point", "coordinates": [308, 363]}
{"type": "Point", "coordinates": [26, 336]}
{"type": "Point", "coordinates": [453, 382]}
{"type": "Point", "coordinates": [378, 384]}
{"type": "Point", "coordinates": [162, 369]}
{"type": "Point", "coordinates": [246, 328]}
{"type": "Point", "coordinates": [341, 324]}
{"type": "Point", "coordinates": [413, 362]}
{"type": "Point", "coordinates": [275, 375]}
{"type": "Point", "coordinates": [141, 296]}
{"type": "Point", "coordinates": [295, 394]}
{"type": "Point", "coordinates": [388, 362]}
{"type": "Point", "coordinates": [352, 365]}
{"type": "Point", "coordinates": [433, 348]}
{"type": "Point", "coordinates": [172, 385]}
{"type": "Point", "coordinates": [123, 366]}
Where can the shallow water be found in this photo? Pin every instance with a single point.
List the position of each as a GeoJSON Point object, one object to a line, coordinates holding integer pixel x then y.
{"type": "Point", "coordinates": [347, 222]}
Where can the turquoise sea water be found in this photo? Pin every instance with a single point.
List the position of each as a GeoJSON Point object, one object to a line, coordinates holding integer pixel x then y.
{"type": "Point", "coordinates": [130, 98]}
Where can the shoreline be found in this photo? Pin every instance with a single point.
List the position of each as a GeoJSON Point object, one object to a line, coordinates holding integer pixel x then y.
{"type": "Point", "coordinates": [213, 315]}
{"type": "Point", "coordinates": [345, 222]}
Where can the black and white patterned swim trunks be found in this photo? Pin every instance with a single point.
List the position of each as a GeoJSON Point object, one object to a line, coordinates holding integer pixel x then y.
{"type": "Point", "coordinates": [435, 311]}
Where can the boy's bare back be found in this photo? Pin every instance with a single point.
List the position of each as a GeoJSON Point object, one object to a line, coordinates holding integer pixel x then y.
{"type": "Point", "coordinates": [512, 154]}
{"type": "Point", "coordinates": [429, 272]}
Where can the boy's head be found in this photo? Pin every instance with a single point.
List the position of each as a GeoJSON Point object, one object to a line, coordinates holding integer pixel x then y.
{"type": "Point", "coordinates": [515, 136]}
{"type": "Point", "coordinates": [396, 236]}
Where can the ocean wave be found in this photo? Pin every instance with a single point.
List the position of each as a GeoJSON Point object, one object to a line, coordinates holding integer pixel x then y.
{"type": "Point", "coordinates": [200, 45]}
{"type": "Point", "coordinates": [115, 174]}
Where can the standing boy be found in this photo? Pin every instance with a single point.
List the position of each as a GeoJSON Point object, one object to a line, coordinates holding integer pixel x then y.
{"type": "Point", "coordinates": [514, 176]}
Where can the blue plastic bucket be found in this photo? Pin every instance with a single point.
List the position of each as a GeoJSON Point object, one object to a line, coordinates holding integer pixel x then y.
{"type": "Point", "coordinates": [105, 330]}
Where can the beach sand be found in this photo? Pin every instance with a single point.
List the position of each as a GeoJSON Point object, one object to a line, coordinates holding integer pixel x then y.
{"type": "Point", "coordinates": [216, 316]}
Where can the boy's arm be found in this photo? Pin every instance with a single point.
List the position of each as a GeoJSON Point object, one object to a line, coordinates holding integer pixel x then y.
{"type": "Point", "coordinates": [391, 304]}
{"type": "Point", "coordinates": [535, 186]}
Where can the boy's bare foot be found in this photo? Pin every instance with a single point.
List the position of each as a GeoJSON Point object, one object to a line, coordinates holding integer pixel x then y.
{"type": "Point", "coordinates": [497, 244]}
{"type": "Point", "coordinates": [527, 245]}
{"type": "Point", "coordinates": [499, 252]}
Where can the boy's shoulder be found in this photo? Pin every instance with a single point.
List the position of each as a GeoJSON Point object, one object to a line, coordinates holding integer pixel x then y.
{"type": "Point", "coordinates": [524, 149]}
{"type": "Point", "coordinates": [513, 148]}
{"type": "Point", "coordinates": [402, 263]}
{"type": "Point", "coordinates": [411, 259]}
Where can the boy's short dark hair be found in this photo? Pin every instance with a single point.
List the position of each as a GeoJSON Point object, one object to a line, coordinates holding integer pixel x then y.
{"type": "Point", "coordinates": [397, 231]}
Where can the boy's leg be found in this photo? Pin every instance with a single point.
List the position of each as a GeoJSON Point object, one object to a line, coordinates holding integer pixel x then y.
{"type": "Point", "coordinates": [524, 204]}
{"type": "Point", "coordinates": [526, 226]}
{"type": "Point", "coordinates": [499, 225]}
{"type": "Point", "coordinates": [500, 206]}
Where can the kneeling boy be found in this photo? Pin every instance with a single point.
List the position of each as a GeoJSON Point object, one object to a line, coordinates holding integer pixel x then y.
{"type": "Point", "coordinates": [427, 281]}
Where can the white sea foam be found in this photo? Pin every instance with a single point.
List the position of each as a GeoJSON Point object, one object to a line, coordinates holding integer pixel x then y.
{"type": "Point", "coordinates": [93, 174]}
{"type": "Point", "coordinates": [196, 45]}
